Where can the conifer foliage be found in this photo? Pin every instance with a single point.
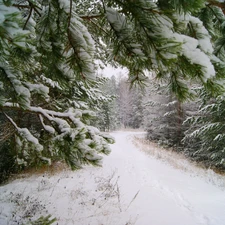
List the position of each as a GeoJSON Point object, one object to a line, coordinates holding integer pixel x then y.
{"type": "Point", "coordinates": [48, 84]}
{"type": "Point", "coordinates": [205, 139]}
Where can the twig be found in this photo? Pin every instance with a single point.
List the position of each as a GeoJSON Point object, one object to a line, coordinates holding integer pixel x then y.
{"type": "Point", "coordinates": [30, 12]}
{"type": "Point", "coordinates": [133, 200]}
{"type": "Point", "coordinates": [118, 196]}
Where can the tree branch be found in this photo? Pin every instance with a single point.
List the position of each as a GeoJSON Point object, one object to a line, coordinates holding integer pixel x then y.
{"type": "Point", "coordinates": [30, 12]}
{"type": "Point", "coordinates": [21, 6]}
{"type": "Point", "coordinates": [218, 4]}
{"type": "Point", "coordinates": [92, 16]}
{"type": "Point", "coordinates": [30, 6]}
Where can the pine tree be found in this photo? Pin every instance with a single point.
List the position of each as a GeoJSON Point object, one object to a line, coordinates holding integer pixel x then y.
{"type": "Point", "coordinates": [205, 139]}
{"type": "Point", "coordinates": [106, 119]}
{"type": "Point", "coordinates": [48, 84]}
{"type": "Point", "coordinates": [124, 102]}
{"type": "Point", "coordinates": [161, 115]}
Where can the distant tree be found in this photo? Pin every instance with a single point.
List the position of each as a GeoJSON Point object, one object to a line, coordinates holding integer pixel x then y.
{"type": "Point", "coordinates": [136, 113]}
{"type": "Point", "coordinates": [164, 115]}
{"type": "Point", "coordinates": [107, 118]}
{"type": "Point", "coordinates": [124, 102]}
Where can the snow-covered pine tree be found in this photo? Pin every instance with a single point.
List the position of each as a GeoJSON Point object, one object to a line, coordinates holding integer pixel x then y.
{"type": "Point", "coordinates": [167, 37]}
{"type": "Point", "coordinates": [204, 140]}
{"type": "Point", "coordinates": [124, 102]}
{"type": "Point", "coordinates": [164, 115]}
{"type": "Point", "coordinates": [48, 84]}
{"type": "Point", "coordinates": [106, 119]}
{"type": "Point", "coordinates": [47, 67]}
{"type": "Point", "coordinates": [136, 113]}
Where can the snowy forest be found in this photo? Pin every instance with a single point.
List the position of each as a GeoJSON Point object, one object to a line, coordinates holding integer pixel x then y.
{"type": "Point", "coordinates": [55, 105]}
{"type": "Point", "coordinates": [187, 127]}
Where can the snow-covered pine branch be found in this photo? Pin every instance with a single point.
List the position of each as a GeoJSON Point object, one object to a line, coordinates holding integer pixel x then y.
{"type": "Point", "coordinates": [62, 127]}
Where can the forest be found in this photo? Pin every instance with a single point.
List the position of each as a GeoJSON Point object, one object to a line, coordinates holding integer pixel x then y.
{"type": "Point", "coordinates": [54, 105]}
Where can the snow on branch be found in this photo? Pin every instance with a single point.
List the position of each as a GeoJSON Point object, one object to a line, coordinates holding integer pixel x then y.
{"type": "Point", "coordinates": [22, 93]}
{"type": "Point", "coordinates": [80, 40]}
{"type": "Point", "coordinates": [197, 49]}
{"type": "Point", "coordinates": [26, 134]}
{"type": "Point", "coordinates": [68, 134]}
{"type": "Point", "coordinates": [123, 32]}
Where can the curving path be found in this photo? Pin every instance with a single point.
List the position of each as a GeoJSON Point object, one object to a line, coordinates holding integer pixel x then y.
{"type": "Point", "coordinates": [166, 195]}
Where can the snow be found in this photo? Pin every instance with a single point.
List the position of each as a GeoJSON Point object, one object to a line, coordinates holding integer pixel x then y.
{"type": "Point", "coordinates": [38, 88]}
{"type": "Point", "coordinates": [131, 187]}
{"type": "Point", "coordinates": [65, 4]}
{"type": "Point", "coordinates": [46, 127]}
{"type": "Point", "coordinates": [196, 56]}
{"type": "Point", "coordinates": [117, 20]}
{"type": "Point", "coordinates": [202, 34]}
{"type": "Point", "coordinates": [197, 50]}
{"type": "Point", "coordinates": [51, 82]}
{"type": "Point", "coordinates": [21, 91]}
{"type": "Point", "coordinates": [26, 134]}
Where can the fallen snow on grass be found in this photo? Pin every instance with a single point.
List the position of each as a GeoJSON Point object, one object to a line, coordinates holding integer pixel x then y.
{"type": "Point", "coordinates": [131, 187]}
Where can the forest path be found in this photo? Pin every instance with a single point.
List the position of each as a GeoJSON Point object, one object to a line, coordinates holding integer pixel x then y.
{"type": "Point", "coordinates": [166, 195]}
{"type": "Point", "coordinates": [131, 188]}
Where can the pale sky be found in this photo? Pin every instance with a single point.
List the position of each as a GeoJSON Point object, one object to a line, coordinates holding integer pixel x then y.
{"type": "Point", "coordinates": [110, 71]}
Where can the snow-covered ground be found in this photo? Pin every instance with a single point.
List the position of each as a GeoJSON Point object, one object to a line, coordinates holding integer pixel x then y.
{"type": "Point", "coordinates": [137, 184]}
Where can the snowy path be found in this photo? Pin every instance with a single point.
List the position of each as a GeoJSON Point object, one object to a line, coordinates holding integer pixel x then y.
{"type": "Point", "coordinates": [166, 195]}
{"type": "Point", "coordinates": [131, 188]}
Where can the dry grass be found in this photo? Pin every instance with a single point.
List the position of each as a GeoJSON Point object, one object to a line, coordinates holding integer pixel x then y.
{"type": "Point", "coordinates": [175, 159]}
{"type": "Point", "coordinates": [56, 167]}
{"type": "Point", "coordinates": [179, 161]}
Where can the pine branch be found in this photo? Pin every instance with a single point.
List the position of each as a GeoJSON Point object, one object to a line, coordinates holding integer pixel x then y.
{"type": "Point", "coordinates": [91, 20]}
{"type": "Point", "coordinates": [191, 28]}
{"type": "Point", "coordinates": [21, 6]}
{"type": "Point", "coordinates": [10, 120]}
{"type": "Point", "coordinates": [70, 13]}
{"type": "Point", "coordinates": [218, 4]}
{"type": "Point", "coordinates": [90, 17]}
{"type": "Point", "coordinates": [34, 5]}
{"type": "Point", "coordinates": [209, 6]}
{"type": "Point", "coordinates": [31, 5]}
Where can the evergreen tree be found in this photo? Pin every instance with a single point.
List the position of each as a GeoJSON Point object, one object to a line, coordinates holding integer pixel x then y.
{"type": "Point", "coordinates": [124, 102]}
{"type": "Point", "coordinates": [164, 115]}
{"type": "Point", "coordinates": [205, 139]}
{"type": "Point", "coordinates": [48, 84]}
{"type": "Point", "coordinates": [135, 115]}
{"type": "Point", "coordinates": [106, 119]}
